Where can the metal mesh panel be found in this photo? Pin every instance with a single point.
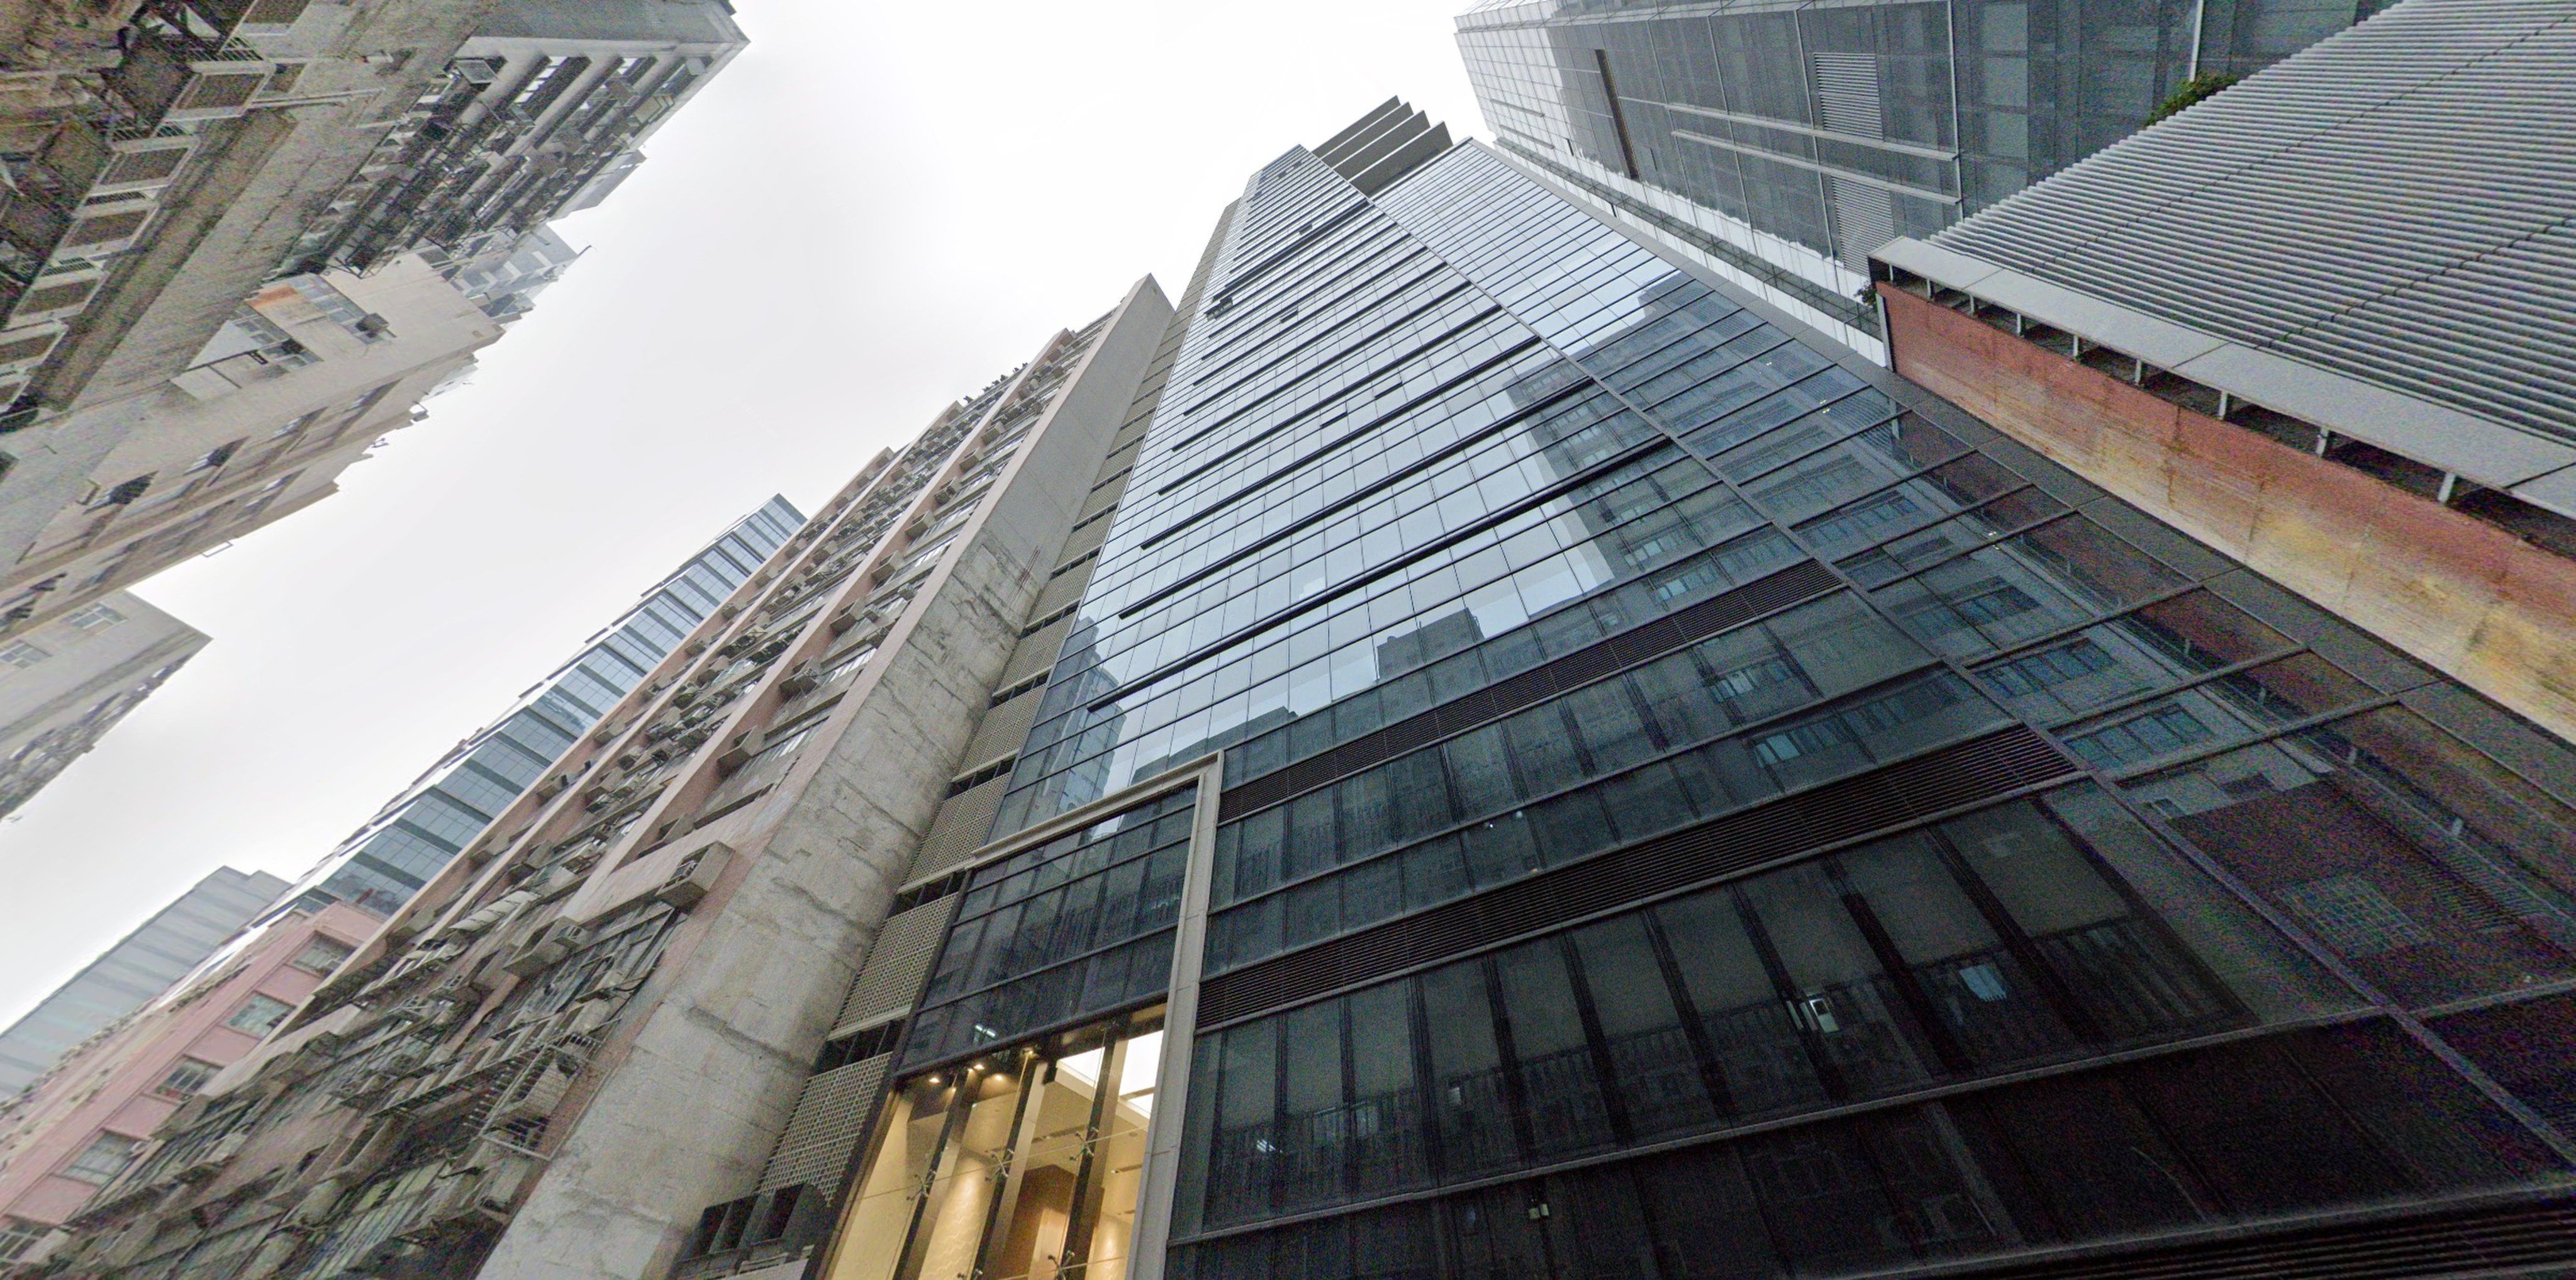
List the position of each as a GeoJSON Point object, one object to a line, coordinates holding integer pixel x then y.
{"type": "Point", "coordinates": [1103, 498]}
{"type": "Point", "coordinates": [1004, 728]}
{"type": "Point", "coordinates": [961, 826]}
{"type": "Point", "coordinates": [1085, 540]}
{"type": "Point", "coordinates": [1036, 653]}
{"type": "Point", "coordinates": [1063, 589]}
{"type": "Point", "coordinates": [897, 965]}
{"type": "Point", "coordinates": [831, 1116]}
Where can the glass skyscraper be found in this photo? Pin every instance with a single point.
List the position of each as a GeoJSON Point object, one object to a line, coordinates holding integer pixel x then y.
{"type": "Point", "coordinates": [1561, 771]}
{"type": "Point", "coordinates": [1786, 143]}
{"type": "Point", "coordinates": [381, 865]}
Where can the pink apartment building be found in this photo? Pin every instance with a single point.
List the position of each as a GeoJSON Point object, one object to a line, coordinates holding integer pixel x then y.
{"type": "Point", "coordinates": [76, 1128]}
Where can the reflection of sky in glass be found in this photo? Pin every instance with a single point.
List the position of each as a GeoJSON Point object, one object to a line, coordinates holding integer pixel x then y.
{"type": "Point", "coordinates": [1146, 611]}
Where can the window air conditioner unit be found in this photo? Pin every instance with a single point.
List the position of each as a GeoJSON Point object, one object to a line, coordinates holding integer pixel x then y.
{"type": "Point", "coordinates": [695, 875]}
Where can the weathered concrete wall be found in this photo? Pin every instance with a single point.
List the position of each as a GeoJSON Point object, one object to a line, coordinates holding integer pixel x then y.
{"type": "Point", "coordinates": [686, 1114]}
{"type": "Point", "coordinates": [2458, 593]}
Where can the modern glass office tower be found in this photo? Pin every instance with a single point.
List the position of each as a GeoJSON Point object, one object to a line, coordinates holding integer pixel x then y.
{"type": "Point", "coordinates": [1783, 144]}
{"type": "Point", "coordinates": [1559, 771]}
{"type": "Point", "coordinates": [382, 864]}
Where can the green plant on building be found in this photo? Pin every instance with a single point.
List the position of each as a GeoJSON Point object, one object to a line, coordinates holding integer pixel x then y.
{"type": "Point", "coordinates": [2198, 89]}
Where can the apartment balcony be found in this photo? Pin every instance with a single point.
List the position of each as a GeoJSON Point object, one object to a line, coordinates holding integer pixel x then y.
{"type": "Point", "coordinates": [230, 18]}
{"type": "Point", "coordinates": [168, 78]}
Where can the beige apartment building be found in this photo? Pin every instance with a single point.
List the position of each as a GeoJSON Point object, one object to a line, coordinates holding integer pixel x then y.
{"type": "Point", "coordinates": [65, 683]}
{"type": "Point", "coordinates": [309, 374]}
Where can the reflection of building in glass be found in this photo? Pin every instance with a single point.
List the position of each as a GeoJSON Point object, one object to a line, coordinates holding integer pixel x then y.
{"type": "Point", "coordinates": [380, 866]}
{"type": "Point", "coordinates": [1780, 146]}
{"type": "Point", "coordinates": [1691, 804]}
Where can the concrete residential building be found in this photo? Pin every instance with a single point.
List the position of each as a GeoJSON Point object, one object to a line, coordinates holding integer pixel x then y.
{"type": "Point", "coordinates": [505, 278]}
{"type": "Point", "coordinates": [1779, 145]}
{"type": "Point", "coordinates": [168, 171]}
{"type": "Point", "coordinates": [63, 685]}
{"type": "Point", "coordinates": [2325, 323]}
{"type": "Point", "coordinates": [139, 967]}
{"type": "Point", "coordinates": [671, 919]}
{"type": "Point", "coordinates": [538, 115]}
{"type": "Point", "coordinates": [141, 221]}
{"type": "Point", "coordinates": [224, 150]}
{"type": "Point", "coordinates": [308, 375]}
{"type": "Point", "coordinates": [74, 1129]}
{"type": "Point", "coordinates": [381, 865]}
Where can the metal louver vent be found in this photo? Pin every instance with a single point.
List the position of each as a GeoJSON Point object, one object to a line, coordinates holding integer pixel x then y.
{"type": "Point", "coordinates": [1847, 93]}
{"type": "Point", "coordinates": [2390, 204]}
{"type": "Point", "coordinates": [2529, 1240]}
{"type": "Point", "coordinates": [1847, 101]}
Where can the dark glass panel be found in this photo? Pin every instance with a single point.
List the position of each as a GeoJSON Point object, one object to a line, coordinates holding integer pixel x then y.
{"type": "Point", "coordinates": [2356, 849]}
{"type": "Point", "coordinates": [1706, 1221]}
{"type": "Point", "coordinates": [1837, 990]}
{"type": "Point", "coordinates": [1653, 1068]}
{"type": "Point", "coordinates": [1245, 1155]}
{"type": "Point", "coordinates": [2127, 971]}
{"type": "Point", "coordinates": [1761, 1057]}
{"type": "Point", "coordinates": [2080, 1160]}
{"type": "Point", "coordinates": [1386, 1121]}
{"type": "Point", "coordinates": [2257, 968]}
{"type": "Point", "coordinates": [1500, 850]}
{"type": "Point", "coordinates": [1315, 1120]}
{"type": "Point", "coordinates": [2276, 1146]}
{"type": "Point", "coordinates": [1469, 1096]}
{"type": "Point", "coordinates": [1496, 1235]}
{"type": "Point", "coordinates": [1559, 1079]}
{"type": "Point", "coordinates": [1596, 1228]}
{"type": "Point", "coordinates": [1986, 1003]}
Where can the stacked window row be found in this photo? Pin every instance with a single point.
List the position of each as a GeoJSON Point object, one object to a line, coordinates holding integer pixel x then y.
{"type": "Point", "coordinates": [1701, 732]}
{"type": "Point", "coordinates": [2031, 933]}
{"type": "Point", "coordinates": [1563, 549]}
{"type": "Point", "coordinates": [1053, 930]}
{"type": "Point", "coordinates": [2318, 1120]}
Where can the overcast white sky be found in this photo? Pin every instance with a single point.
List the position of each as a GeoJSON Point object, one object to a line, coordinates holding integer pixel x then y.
{"type": "Point", "coordinates": [875, 210]}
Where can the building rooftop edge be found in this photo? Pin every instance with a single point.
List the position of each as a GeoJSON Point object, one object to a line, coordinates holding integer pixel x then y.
{"type": "Point", "coordinates": [2496, 454]}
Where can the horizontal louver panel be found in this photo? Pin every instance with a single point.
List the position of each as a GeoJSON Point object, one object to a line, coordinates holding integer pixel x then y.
{"type": "Point", "coordinates": [2518, 1240]}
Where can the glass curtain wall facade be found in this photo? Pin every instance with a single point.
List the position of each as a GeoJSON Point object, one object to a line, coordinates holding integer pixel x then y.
{"type": "Point", "coordinates": [1836, 128]}
{"type": "Point", "coordinates": [387, 861]}
{"type": "Point", "coordinates": [1694, 806]}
